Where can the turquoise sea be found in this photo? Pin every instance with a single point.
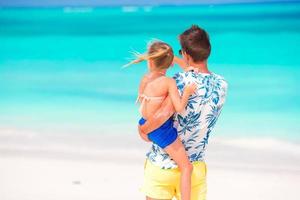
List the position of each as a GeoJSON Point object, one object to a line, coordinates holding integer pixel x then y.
{"type": "Point", "coordinates": [60, 68]}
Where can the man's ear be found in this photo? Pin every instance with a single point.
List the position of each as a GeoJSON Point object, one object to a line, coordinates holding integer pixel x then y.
{"type": "Point", "coordinates": [183, 55]}
{"type": "Point", "coordinates": [187, 57]}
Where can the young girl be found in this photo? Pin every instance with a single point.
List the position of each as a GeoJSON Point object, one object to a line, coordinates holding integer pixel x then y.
{"type": "Point", "coordinates": [153, 89]}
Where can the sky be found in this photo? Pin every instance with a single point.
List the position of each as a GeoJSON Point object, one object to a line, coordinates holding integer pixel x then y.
{"type": "Point", "coordinates": [21, 3]}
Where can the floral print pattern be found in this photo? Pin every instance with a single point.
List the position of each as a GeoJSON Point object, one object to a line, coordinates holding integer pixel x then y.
{"type": "Point", "coordinates": [196, 122]}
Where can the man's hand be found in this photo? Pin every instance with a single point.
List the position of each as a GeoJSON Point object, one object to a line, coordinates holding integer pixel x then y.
{"type": "Point", "coordinates": [143, 135]}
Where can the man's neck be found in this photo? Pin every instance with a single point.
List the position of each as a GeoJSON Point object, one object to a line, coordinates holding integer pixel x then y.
{"type": "Point", "coordinates": [201, 66]}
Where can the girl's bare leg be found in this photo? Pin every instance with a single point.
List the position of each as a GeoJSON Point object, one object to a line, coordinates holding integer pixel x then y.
{"type": "Point", "coordinates": [177, 152]}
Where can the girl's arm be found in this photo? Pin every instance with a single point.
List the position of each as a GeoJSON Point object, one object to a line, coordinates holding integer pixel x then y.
{"type": "Point", "coordinates": [180, 62]}
{"type": "Point", "coordinates": [179, 103]}
{"type": "Point", "coordinates": [165, 111]}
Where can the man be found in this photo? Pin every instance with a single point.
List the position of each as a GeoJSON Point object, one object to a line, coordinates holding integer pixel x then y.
{"type": "Point", "coordinates": [194, 124]}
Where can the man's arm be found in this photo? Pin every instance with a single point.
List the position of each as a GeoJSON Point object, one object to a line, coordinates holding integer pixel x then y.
{"type": "Point", "coordinates": [180, 62]}
{"type": "Point", "coordinates": [165, 111]}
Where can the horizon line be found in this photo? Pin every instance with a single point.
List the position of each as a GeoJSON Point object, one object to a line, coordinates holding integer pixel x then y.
{"type": "Point", "coordinates": [119, 4]}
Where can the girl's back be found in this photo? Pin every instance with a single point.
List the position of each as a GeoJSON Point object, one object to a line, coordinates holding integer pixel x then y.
{"type": "Point", "coordinates": [153, 91]}
{"type": "Point", "coordinates": [154, 88]}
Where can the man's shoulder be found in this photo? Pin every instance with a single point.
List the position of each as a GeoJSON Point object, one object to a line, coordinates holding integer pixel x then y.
{"type": "Point", "coordinates": [221, 79]}
{"type": "Point", "coordinates": [220, 85]}
{"type": "Point", "coordinates": [184, 76]}
{"type": "Point", "coordinates": [178, 75]}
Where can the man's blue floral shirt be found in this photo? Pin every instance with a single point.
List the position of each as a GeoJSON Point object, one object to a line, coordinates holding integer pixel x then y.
{"type": "Point", "coordinates": [196, 122]}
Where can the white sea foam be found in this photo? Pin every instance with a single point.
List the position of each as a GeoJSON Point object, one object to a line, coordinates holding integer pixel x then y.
{"type": "Point", "coordinates": [78, 9]}
{"type": "Point", "coordinates": [130, 8]}
{"type": "Point", "coordinates": [266, 144]}
{"type": "Point", "coordinates": [147, 8]}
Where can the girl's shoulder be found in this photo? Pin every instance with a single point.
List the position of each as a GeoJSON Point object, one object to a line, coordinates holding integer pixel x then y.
{"type": "Point", "coordinates": [144, 79]}
{"type": "Point", "coordinates": [160, 79]}
{"type": "Point", "coordinates": [170, 79]}
{"type": "Point", "coordinates": [165, 80]}
{"type": "Point", "coordinates": [160, 82]}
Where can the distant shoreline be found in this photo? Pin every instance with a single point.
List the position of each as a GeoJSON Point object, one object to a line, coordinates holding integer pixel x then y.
{"type": "Point", "coordinates": [143, 4]}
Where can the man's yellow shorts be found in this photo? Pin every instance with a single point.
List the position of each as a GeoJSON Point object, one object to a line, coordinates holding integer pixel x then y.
{"type": "Point", "coordinates": [165, 183]}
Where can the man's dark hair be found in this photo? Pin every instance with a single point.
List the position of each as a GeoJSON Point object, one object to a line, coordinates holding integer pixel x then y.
{"type": "Point", "coordinates": [195, 42]}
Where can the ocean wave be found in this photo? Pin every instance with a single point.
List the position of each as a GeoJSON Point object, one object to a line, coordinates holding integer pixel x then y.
{"type": "Point", "coordinates": [256, 144]}
{"type": "Point", "coordinates": [78, 9]}
{"type": "Point", "coordinates": [130, 8]}
{"type": "Point", "coordinates": [147, 8]}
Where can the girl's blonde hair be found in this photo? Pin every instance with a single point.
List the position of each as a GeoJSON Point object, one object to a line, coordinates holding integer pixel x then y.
{"type": "Point", "coordinates": [159, 52]}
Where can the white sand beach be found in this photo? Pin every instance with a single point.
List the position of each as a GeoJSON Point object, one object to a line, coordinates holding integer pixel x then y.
{"type": "Point", "coordinates": [108, 167]}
